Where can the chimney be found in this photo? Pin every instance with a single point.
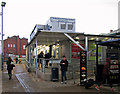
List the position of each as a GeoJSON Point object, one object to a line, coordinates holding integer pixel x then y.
{"type": "Point", "coordinates": [111, 31]}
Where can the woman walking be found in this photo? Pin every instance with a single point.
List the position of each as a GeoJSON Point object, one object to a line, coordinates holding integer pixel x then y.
{"type": "Point", "coordinates": [106, 73]}
{"type": "Point", "coordinates": [10, 66]}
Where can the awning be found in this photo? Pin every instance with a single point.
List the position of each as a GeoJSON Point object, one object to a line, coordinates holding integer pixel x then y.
{"type": "Point", "coordinates": [111, 43]}
{"type": "Point", "coordinates": [50, 38]}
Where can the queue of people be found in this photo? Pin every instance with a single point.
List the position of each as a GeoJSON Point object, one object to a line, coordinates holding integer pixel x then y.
{"type": "Point", "coordinates": [63, 65]}
{"type": "Point", "coordinates": [46, 56]}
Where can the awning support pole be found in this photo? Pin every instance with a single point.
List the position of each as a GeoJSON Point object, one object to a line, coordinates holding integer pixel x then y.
{"type": "Point", "coordinates": [86, 47]}
{"type": "Point", "coordinates": [74, 41]}
{"type": "Point", "coordinates": [36, 57]}
{"type": "Point", "coordinates": [96, 63]}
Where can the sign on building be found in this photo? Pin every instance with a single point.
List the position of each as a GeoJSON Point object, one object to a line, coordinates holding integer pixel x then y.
{"type": "Point", "coordinates": [61, 24]}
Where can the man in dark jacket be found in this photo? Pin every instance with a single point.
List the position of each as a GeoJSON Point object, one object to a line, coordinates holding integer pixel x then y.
{"type": "Point", "coordinates": [64, 66]}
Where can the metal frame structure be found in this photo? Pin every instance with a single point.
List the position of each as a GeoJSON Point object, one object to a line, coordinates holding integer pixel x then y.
{"type": "Point", "coordinates": [110, 43]}
{"type": "Point", "coordinates": [2, 57]}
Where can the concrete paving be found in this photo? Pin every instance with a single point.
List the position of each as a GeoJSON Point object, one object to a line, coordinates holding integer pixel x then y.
{"type": "Point", "coordinates": [0, 81]}
{"type": "Point", "coordinates": [23, 81]}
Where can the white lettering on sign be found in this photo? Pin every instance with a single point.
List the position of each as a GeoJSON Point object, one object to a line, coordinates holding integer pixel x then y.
{"type": "Point", "coordinates": [54, 19]}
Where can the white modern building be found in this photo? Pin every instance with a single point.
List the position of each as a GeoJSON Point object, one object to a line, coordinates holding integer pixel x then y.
{"type": "Point", "coordinates": [55, 24]}
{"type": "Point", "coordinates": [58, 37]}
{"type": "Point", "coordinates": [61, 24]}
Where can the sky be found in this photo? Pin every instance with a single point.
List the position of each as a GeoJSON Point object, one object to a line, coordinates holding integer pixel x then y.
{"type": "Point", "coordinates": [92, 16]}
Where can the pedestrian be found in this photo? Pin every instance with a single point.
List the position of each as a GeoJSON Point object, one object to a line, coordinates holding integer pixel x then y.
{"type": "Point", "coordinates": [106, 74]}
{"type": "Point", "coordinates": [64, 66]}
{"type": "Point", "coordinates": [40, 56]}
{"type": "Point", "coordinates": [47, 57]}
{"type": "Point", "coordinates": [10, 66]}
{"type": "Point", "coordinates": [16, 59]}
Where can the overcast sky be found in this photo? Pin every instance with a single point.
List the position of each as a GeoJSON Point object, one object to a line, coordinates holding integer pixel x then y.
{"type": "Point", "coordinates": [92, 16]}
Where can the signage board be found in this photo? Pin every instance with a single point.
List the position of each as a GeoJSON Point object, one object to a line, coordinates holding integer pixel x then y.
{"type": "Point", "coordinates": [75, 50]}
{"type": "Point", "coordinates": [83, 67]}
{"type": "Point", "coordinates": [55, 19]}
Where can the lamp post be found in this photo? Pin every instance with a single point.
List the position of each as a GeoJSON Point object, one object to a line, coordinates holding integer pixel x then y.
{"type": "Point", "coordinates": [2, 47]}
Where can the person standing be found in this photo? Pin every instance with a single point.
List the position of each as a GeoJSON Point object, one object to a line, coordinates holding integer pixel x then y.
{"type": "Point", "coordinates": [64, 66]}
{"type": "Point", "coordinates": [16, 59]}
{"type": "Point", "coordinates": [10, 66]}
{"type": "Point", "coordinates": [39, 57]}
{"type": "Point", "coordinates": [106, 73]}
{"type": "Point", "coordinates": [47, 57]}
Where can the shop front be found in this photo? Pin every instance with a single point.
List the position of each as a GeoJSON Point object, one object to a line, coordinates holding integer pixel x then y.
{"type": "Point", "coordinates": [57, 44]}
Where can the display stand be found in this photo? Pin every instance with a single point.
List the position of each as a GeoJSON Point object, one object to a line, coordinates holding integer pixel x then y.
{"type": "Point", "coordinates": [83, 67]}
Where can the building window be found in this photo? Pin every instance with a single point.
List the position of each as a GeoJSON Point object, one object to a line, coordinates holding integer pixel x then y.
{"type": "Point", "coordinates": [23, 47]}
{"type": "Point", "coordinates": [70, 26]}
{"type": "Point", "coordinates": [63, 26]}
{"type": "Point", "coordinates": [13, 45]}
{"type": "Point", "coordinates": [8, 45]}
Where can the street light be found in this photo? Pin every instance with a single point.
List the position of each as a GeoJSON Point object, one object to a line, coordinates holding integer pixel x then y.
{"type": "Point", "coordinates": [2, 57]}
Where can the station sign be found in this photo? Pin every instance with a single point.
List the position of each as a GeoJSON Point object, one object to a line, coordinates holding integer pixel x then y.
{"type": "Point", "coordinates": [83, 67]}
{"type": "Point", "coordinates": [56, 19]}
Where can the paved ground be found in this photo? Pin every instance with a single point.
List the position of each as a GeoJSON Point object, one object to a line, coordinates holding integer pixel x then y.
{"type": "Point", "coordinates": [23, 81]}
{"type": "Point", "coordinates": [0, 82]}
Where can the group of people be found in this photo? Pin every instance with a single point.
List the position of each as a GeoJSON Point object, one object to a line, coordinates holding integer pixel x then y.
{"type": "Point", "coordinates": [46, 56]}
{"type": "Point", "coordinates": [64, 67]}
{"type": "Point", "coordinates": [106, 73]}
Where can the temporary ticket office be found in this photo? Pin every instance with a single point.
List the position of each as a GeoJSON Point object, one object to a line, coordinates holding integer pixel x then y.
{"type": "Point", "coordinates": [58, 37]}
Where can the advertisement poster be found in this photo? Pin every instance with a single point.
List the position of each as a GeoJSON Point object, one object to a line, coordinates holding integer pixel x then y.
{"type": "Point", "coordinates": [83, 67]}
{"type": "Point", "coordinates": [114, 68]}
{"type": "Point", "coordinates": [92, 55]}
{"type": "Point", "coordinates": [75, 50]}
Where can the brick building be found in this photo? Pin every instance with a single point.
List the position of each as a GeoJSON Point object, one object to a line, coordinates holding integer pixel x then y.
{"type": "Point", "coordinates": [15, 46]}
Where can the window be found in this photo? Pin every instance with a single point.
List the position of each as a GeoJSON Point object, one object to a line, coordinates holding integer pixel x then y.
{"type": "Point", "coordinates": [13, 45]}
{"type": "Point", "coordinates": [23, 47]}
{"type": "Point", "coordinates": [63, 26]}
{"type": "Point", "coordinates": [8, 45]}
{"type": "Point", "coordinates": [70, 26]}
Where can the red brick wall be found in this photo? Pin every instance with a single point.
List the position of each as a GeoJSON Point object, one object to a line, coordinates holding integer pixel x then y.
{"type": "Point", "coordinates": [23, 42]}
{"type": "Point", "coordinates": [18, 49]}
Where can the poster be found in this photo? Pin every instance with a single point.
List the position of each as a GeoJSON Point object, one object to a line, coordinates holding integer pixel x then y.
{"type": "Point", "coordinates": [114, 68]}
{"type": "Point", "coordinates": [92, 55]}
{"type": "Point", "coordinates": [75, 49]}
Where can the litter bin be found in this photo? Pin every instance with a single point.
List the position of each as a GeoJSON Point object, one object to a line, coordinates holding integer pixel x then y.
{"type": "Point", "coordinates": [54, 74]}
